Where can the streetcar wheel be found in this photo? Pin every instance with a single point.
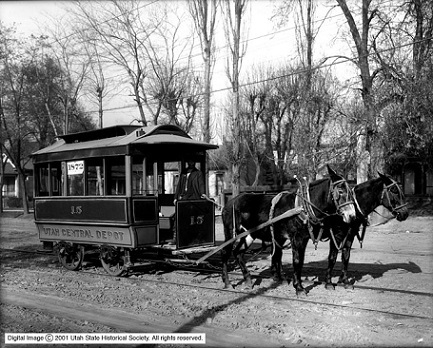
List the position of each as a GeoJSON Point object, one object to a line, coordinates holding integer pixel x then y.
{"type": "Point", "coordinates": [112, 260]}
{"type": "Point", "coordinates": [70, 255]}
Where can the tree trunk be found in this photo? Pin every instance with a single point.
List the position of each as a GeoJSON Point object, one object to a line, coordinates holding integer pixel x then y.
{"type": "Point", "coordinates": [235, 27]}
{"type": "Point", "coordinates": [361, 43]}
{"type": "Point", "coordinates": [236, 167]}
{"type": "Point", "coordinates": [51, 118]}
{"type": "Point", "coordinates": [23, 191]}
{"type": "Point", "coordinates": [140, 106]}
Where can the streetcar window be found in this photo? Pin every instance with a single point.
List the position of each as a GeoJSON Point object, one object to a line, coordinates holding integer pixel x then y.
{"type": "Point", "coordinates": [171, 175]}
{"type": "Point", "coordinates": [56, 179]}
{"type": "Point", "coordinates": [43, 180]}
{"type": "Point", "coordinates": [137, 179]}
{"type": "Point", "coordinates": [48, 179]}
{"type": "Point", "coordinates": [142, 176]}
{"type": "Point", "coordinates": [115, 176]}
{"type": "Point", "coordinates": [138, 164]}
{"type": "Point", "coordinates": [149, 184]}
{"type": "Point", "coordinates": [75, 177]}
{"type": "Point", "coordinates": [95, 177]}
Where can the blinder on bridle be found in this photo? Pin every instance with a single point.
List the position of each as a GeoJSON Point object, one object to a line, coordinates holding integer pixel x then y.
{"type": "Point", "coordinates": [387, 191]}
{"type": "Point", "coordinates": [336, 191]}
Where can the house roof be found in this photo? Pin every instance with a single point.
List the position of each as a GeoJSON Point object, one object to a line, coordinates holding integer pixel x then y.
{"type": "Point", "coordinates": [10, 168]}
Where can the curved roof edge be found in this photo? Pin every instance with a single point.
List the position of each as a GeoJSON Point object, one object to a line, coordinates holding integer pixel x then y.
{"type": "Point", "coordinates": [118, 140]}
{"type": "Point", "coordinates": [122, 130]}
{"type": "Point", "coordinates": [97, 134]}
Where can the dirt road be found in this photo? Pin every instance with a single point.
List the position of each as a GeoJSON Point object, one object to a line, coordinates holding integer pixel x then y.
{"type": "Point", "coordinates": [390, 305]}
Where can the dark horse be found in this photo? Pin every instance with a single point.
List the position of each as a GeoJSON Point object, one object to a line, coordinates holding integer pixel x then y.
{"type": "Point", "coordinates": [328, 197]}
{"type": "Point", "coordinates": [367, 197]}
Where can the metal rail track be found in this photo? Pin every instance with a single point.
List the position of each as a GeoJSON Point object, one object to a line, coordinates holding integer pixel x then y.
{"type": "Point", "coordinates": [197, 268]}
{"type": "Point", "coordinates": [265, 296]}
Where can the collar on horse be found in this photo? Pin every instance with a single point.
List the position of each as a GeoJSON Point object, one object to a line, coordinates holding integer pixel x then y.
{"type": "Point", "coordinates": [311, 217]}
{"type": "Point", "coordinates": [303, 193]}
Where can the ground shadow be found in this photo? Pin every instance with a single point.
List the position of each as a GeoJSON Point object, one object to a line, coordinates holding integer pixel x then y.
{"type": "Point", "coordinates": [23, 255]}
{"type": "Point", "coordinates": [208, 314]}
{"type": "Point", "coordinates": [358, 270]}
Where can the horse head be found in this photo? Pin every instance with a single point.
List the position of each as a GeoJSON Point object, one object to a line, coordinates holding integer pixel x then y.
{"type": "Point", "coordinates": [393, 198]}
{"type": "Point", "coordinates": [342, 197]}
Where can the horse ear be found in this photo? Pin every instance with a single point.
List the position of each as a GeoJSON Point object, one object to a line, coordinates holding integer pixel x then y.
{"type": "Point", "coordinates": [332, 172]}
{"type": "Point", "coordinates": [384, 177]}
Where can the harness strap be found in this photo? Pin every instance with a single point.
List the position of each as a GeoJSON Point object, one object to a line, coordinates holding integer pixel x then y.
{"type": "Point", "coordinates": [339, 247]}
{"type": "Point", "coordinates": [355, 200]}
{"type": "Point", "coordinates": [311, 217]}
{"type": "Point", "coordinates": [308, 207]}
{"type": "Point", "coordinates": [219, 206]}
{"type": "Point", "coordinates": [364, 228]}
{"type": "Point", "coordinates": [274, 202]}
{"type": "Point", "coordinates": [234, 222]}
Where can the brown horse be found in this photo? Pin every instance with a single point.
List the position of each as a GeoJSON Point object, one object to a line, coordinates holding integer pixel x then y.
{"type": "Point", "coordinates": [328, 197]}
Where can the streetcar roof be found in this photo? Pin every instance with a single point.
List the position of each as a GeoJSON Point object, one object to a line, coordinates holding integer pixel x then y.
{"type": "Point", "coordinates": [120, 140]}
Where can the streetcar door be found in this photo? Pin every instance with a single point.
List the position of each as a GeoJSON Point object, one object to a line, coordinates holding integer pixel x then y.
{"type": "Point", "coordinates": [168, 173]}
{"type": "Point", "coordinates": [195, 223]}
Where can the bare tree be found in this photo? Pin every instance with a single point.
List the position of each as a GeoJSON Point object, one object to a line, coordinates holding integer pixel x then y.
{"type": "Point", "coordinates": [360, 35]}
{"type": "Point", "coordinates": [172, 82]}
{"type": "Point", "coordinates": [234, 15]}
{"type": "Point", "coordinates": [255, 95]}
{"type": "Point", "coordinates": [96, 84]}
{"type": "Point", "coordinates": [305, 26]}
{"type": "Point", "coordinates": [204, 13]}
{"type": "Point", "coordinates": [122, 34]}
{"type": "Point", "coordinates": [66, 49]}
{"type": "Point", "coordinates": [14, 121]}
{"type": "Point", "coordinates": [405, 83]}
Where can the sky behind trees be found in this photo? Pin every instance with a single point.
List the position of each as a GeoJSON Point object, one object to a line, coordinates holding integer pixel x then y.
{"type": "Point", "coordinates": [267, 44]}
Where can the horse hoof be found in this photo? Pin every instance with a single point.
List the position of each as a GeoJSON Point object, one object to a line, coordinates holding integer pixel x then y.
{"type": "Point", "coordinates": [248, 283]}
{"type": "Point", "coordinates": [329, 286]}
{"type": "Point", "coordinates": [301, 292]}
{"type": "Point", "coordinates": [348, 286]}
{"type": "Point", "coordinates": [248, 286]}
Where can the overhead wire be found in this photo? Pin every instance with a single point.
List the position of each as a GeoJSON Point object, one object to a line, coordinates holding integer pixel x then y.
{"type": "Point", "coordinates": [273, 33]}
{"type": "Point", "coordinates": [297, 72]}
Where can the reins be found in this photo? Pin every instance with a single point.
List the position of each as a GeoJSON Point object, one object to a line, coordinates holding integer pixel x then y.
{"type": "Point", "coordinates": [364, 220]}
{"type": "Point", "coordinates": [274, 202]}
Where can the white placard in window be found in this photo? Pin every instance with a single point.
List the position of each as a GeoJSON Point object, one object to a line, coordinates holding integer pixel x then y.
{"type": "Point", "coordinates": [75, 167]}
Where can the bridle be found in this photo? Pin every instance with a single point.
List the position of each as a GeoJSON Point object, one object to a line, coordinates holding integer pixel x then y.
{"type": "Point", "coordinates": [334, 192]}
{"type": "Point", "coordinates": [387, 191]}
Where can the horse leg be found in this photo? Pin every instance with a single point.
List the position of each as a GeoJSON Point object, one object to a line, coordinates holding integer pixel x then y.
{"type": "Point", "coordinates": [276, 265]}
{"type": "Point", "coordinates": [332, 258]}
{"type": "Point", "coordinates": [299, 244]}
{"type": "Point", "coordinates": [345, 257]}
{"type": "Point", "coordinates": [239, 253]}
{"type": "Point", "coordinates": [225, 256]}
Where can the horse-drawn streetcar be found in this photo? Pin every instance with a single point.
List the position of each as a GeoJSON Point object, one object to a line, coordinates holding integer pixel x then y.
{"type": "Point", "coordinates": [113, 190]}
